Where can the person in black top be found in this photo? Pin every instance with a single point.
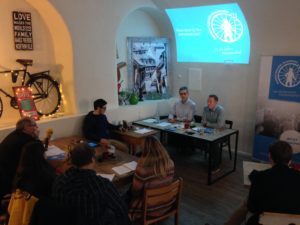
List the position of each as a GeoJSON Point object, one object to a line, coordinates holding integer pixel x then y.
{"type": "Point", "coordinates": [272, 190]}
{"type": "Point", "coordinates": [35, 175]}
{"type": "Point", "coordinates": [95, 200]}
{"type": "Point", "coordinates": [97, 128]}
{"type": "Point", "coordinates": [10, 151]}
{"type": "Point", "coordinates": [275, 189]}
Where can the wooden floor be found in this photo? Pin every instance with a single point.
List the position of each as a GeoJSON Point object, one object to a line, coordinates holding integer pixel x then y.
{"type": "Point", "coordinates": [200, 203]}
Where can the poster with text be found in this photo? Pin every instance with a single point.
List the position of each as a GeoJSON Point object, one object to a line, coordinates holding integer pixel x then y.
{"type": "Point", "coordinates": [22, 28]}
{"type": "Point", "coordinates": [278, 105]}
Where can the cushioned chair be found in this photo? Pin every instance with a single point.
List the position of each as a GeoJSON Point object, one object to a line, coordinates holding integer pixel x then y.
{"type": "Point", "coordinates": [226, 142]}
{"type": "Point", "coordinates": [162, 198]}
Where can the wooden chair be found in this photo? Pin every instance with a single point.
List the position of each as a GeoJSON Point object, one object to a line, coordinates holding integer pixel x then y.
{"type": "Point", "coordinates": [226, 142]}
{"type": "Point", "coordinates": [268, 218]}
{"type": "Point", "coordinates": [162, 195]}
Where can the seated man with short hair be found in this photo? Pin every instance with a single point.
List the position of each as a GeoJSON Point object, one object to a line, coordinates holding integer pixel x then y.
{"type": "Point", "coordinates": [213, 117]}
{"type": "Point", "coordinates": [272, 190]}
{"type": "Point", "coordinates": [97, 128]}
{"type": "Point", "coordinates": [94, 200]}
{"type": "Point", "coordinates": [213, 113]}
{"type": "Point", "coordinates": [10, 151]}
{"type": "Point", "coordinates": [184, 108]}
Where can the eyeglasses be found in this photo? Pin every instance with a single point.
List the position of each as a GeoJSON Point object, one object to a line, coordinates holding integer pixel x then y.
{"type": "Point", "coordinates": [183, 93]}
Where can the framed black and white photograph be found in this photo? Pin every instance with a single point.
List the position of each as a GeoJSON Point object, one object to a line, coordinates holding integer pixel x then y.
{"type": "Point", "coordinates": [148, 60]}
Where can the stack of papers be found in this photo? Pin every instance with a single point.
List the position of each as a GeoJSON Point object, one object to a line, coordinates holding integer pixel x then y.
{"type": "Point", "coordinates": [248, 167]}
{"type": "Point", "coordinates": [149, 120]}
{"type": "Point", "coordinates": [125, 168]}
{"type": "Point", "coordinates": [131, 165]}
{"type": "Point", "coordinates": [143, 131]}
{"type": "Point", "coordinates": [164, 124]}
{"type": "Point", "coordinates": [107, 176]}
{"type": "Point", "coordinates": [55, 153]}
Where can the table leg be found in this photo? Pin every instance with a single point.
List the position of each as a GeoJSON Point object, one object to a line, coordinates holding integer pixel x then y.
{"type": "Point", "coordinates": [209, 164]}
{"type": "Point", "coordinates": [209, 177]}
{"type": "Point", "coordinates": [235, 150]}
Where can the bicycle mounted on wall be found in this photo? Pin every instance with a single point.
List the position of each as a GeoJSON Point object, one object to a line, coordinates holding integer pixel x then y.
{"type": "Point", "coordinates": [45, 90]}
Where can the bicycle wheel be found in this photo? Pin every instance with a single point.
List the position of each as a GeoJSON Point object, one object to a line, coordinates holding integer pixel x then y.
{"type": "Point", "coordinates": [46, 94]}
{"type": "Point", "coordinates": [1, 107]}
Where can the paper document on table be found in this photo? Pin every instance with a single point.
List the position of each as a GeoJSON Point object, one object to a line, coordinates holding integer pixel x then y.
{"type": "Point", "coordinates": [248, 167]}
{"type": "Point", "coordinates": [108, 176]}
{"type": "Point", "coordinates": [55, 152]}
{"type": "Point", "coordinates": [163, 124]}
{"type": "Point", "coordinates": [131, 165]}
{"type": "Point", "coordinates": [121, 170]}
{"type": "Point", "coordinates": [143, 131]}
{"type": "Point", "coordinates": [149, 120]}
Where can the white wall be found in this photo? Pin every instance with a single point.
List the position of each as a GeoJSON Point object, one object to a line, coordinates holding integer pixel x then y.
{"type": "Point", "coordinates": [93, 27]}
{"type": "Point", "coordinates": [52, 51]}
{"type": "Point", "coordinates": [71, 125]}
{"type": "Point", "coordinates": [43, 55]}
{"type": "Point", "coordinates": [273, 26]}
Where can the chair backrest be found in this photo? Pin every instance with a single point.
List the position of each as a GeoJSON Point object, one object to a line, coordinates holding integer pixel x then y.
{"type": "Point", "coordinates": [163, 200]}
{"type": "Point", "coordinates": [268, 218]}
{"type": "Point", "coordinates": [197, 118]}
{"type": "Point", "coordinates": [228, 124]}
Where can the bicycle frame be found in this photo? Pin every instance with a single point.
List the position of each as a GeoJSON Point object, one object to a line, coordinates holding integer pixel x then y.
{"type": "Point", "coordinates": [41, 82]}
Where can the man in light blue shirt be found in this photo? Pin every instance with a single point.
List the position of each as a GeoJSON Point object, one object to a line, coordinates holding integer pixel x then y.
{"type": "Point", "coordinates": [213, 116]}
{"type": "Point", "coordinates": [183, 109]}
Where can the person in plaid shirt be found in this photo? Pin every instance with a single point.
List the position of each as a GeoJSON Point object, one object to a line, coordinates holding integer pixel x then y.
{"type": "Point", "coordinates": [93, 199]}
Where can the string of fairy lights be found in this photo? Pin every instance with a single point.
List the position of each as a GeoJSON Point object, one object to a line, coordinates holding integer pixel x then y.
{"type": "Point", "coordinates": [18, 90]}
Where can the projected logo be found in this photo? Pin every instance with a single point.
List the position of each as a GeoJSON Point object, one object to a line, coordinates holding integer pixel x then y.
{"type": "Point", "coordinates": [225, 26]}
{"type": "Point", "coordinates": [288, 74]}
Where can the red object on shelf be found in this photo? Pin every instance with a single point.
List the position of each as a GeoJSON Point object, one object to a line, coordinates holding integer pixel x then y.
{"type": "Point", "coordinates": [25, 102]}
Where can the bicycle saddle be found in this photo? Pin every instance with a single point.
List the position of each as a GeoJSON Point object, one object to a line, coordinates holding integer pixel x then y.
{"type": "Point", "coordinates": [25, 62]}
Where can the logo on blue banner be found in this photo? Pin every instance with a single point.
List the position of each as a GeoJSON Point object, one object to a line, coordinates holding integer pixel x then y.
{"type": "Point", "coordinates": [285, 78]}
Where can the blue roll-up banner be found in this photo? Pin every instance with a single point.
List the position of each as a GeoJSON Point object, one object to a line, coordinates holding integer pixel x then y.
{"type": "Point", "coordinates": [278, 105]}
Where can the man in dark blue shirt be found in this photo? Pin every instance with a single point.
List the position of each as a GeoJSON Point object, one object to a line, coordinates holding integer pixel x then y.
{"type": "Point", "coordinates": [97, 128]}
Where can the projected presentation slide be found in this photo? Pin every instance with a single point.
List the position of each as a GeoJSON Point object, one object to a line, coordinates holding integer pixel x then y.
{"type": "Point", "coordinates": [215, 33]}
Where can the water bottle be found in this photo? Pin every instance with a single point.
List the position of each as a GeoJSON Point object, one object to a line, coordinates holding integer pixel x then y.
{"type": "Point", "coordinates": [157, 117]}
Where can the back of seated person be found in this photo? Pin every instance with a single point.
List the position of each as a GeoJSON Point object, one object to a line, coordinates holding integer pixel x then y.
{"type": "Point", "coordinates": [10, 152]}
{"type": "Point", "coordinates": [34, 174]}
{"type": "Point", "coordinates": [94, 199]}
{"type": "Point", "coordinates": [272, 190]}
{"type": "Point", "coordinates": [155, 169]}
{"type": "Point", "coordinates": [97, 128]}
{"type": "Point", "coordinates": [276, 189]}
